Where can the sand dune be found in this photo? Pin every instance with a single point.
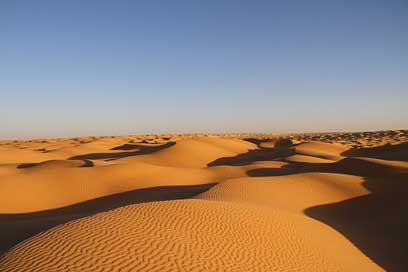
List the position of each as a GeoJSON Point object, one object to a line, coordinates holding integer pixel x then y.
{"type": "Point", "coordinates": [321, 150]}
{"type": "Point", "coordinates": [283, 192]}
{"type": "Point", "coordinates": [62, 186]}
{"type": "Point", "coordinates": [197, 152]}
{"type": "Point", "coordinates": [189, 235]}
{"type": "Point", "coordinates": [66, 182]}
{"type": "Point", "coordinates": [308, 204]}
{"type": "Point", "coordinates": [306, 158]}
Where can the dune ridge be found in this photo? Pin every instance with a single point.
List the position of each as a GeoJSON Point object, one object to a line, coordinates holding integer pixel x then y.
{"type": "Point", "coordinates": [271, 204]}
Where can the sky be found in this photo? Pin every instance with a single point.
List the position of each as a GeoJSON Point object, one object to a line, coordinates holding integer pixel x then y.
{"type": "Point", "coordinates": [73, 68]}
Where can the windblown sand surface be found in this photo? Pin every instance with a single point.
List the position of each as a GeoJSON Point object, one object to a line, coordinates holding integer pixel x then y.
{"type": "Point", "coordinates": [251, 202]}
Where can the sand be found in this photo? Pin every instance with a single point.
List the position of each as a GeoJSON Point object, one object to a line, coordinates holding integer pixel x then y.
{"type": "Point", "coordinates": [328, 202]}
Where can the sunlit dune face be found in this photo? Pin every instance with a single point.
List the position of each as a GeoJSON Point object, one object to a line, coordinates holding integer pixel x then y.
{"type": "Point", "coordinates": [236, 202]}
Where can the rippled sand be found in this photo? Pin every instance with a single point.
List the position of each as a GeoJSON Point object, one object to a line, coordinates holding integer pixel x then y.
{"type": "Point", "coordinates": [241, 202]}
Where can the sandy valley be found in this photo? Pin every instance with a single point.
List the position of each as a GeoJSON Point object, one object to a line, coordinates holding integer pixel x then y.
{"type": "Point", "coordinates": [236, 202]}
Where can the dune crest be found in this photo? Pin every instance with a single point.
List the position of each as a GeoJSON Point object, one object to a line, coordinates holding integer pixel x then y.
{"type": "Point", "coordinates": [189, 235]}
{"type": "Point", "coordinates": [239, 202]}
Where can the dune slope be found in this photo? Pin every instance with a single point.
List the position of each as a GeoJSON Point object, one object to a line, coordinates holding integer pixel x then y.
{"type": "Point", "coordinates": [189, 235]}
{"type": "Point", "coordinates": [308, 202]}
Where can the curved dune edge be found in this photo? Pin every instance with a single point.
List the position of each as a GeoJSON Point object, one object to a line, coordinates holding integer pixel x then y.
{"type": "Point", "coordinates": [14, 228]}
{"type": "Point", "coordinates": [57, 183]}
{"type": "Point", "coordinates": [293, 193]}
{"type": "Point", "coordinates": [244, 224]}
{"type": "Point", "coordinates": [312, 180]}
{"type": "Point", "coordinates": [321, 150]}
{"type": "Point", "coordinates": [38, 190]}
{"type": "Point", "coordinates": [306, 159]}
{"type": "Point", "coordinates": [189, 235]}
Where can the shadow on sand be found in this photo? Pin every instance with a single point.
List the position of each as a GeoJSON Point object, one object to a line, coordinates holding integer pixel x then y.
{"type": "Point", "coordinates": [86, 163]}
{"type": "Point", "coordinates": [397, 152]}
{"type": "Point", "coordinates": [350, 166]}
{"type": "Point", "coordinates": [15, 228]}
{"type": "Point", "coordinates": [376, 223]}
{"type": "Point", "coordinates": [260, 154]}
{"type": "Point", "coordinates": [141, 150]}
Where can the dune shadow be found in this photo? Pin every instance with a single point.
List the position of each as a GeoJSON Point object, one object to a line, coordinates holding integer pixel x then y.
{"type": "Point", "coordinates": [259, 141]}
{"type": "Point", "coordinates": [132, 146]}
{"type": "Point", "coordinates": [260, 154]}
{"type": "Point", "coordinates": [264, 154]}
{"type": "Point", "coordinates": [27, 165]}
{"type": "Point", "coordinates": [86, 163]}
{"type": "Point", "coordinates": [386, 152]}
{"type": "Point", "coordinates": [350, 166]}
{"type": "Point", "coordinates": [141, 150]}
{"type": "Point", "coordinates": [376, 223]}
{"type": "Point", "coordinates": [15, 228]}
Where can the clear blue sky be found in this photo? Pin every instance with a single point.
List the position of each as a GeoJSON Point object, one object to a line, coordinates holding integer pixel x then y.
{"type": "Point", "coordinates": [128, 67]}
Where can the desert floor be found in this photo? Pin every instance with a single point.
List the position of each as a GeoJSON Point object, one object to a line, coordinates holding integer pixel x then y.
{"type": "Point", "coordinates": [238, 202]}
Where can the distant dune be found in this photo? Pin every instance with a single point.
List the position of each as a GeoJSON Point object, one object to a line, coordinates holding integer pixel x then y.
{"type": "Point", "coordinates": [238, 202]}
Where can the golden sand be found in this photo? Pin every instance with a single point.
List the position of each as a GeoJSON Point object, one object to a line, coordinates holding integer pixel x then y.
{"type": "Point", "coordinates": [329, 202]}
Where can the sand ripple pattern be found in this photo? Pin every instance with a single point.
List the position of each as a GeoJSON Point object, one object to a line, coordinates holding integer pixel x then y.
{"type": "Point", "coordinates": [183, 235]}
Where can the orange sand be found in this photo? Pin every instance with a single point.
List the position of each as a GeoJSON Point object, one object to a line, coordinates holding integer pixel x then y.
{"type": "Point", "coordinates": [75, 204]}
